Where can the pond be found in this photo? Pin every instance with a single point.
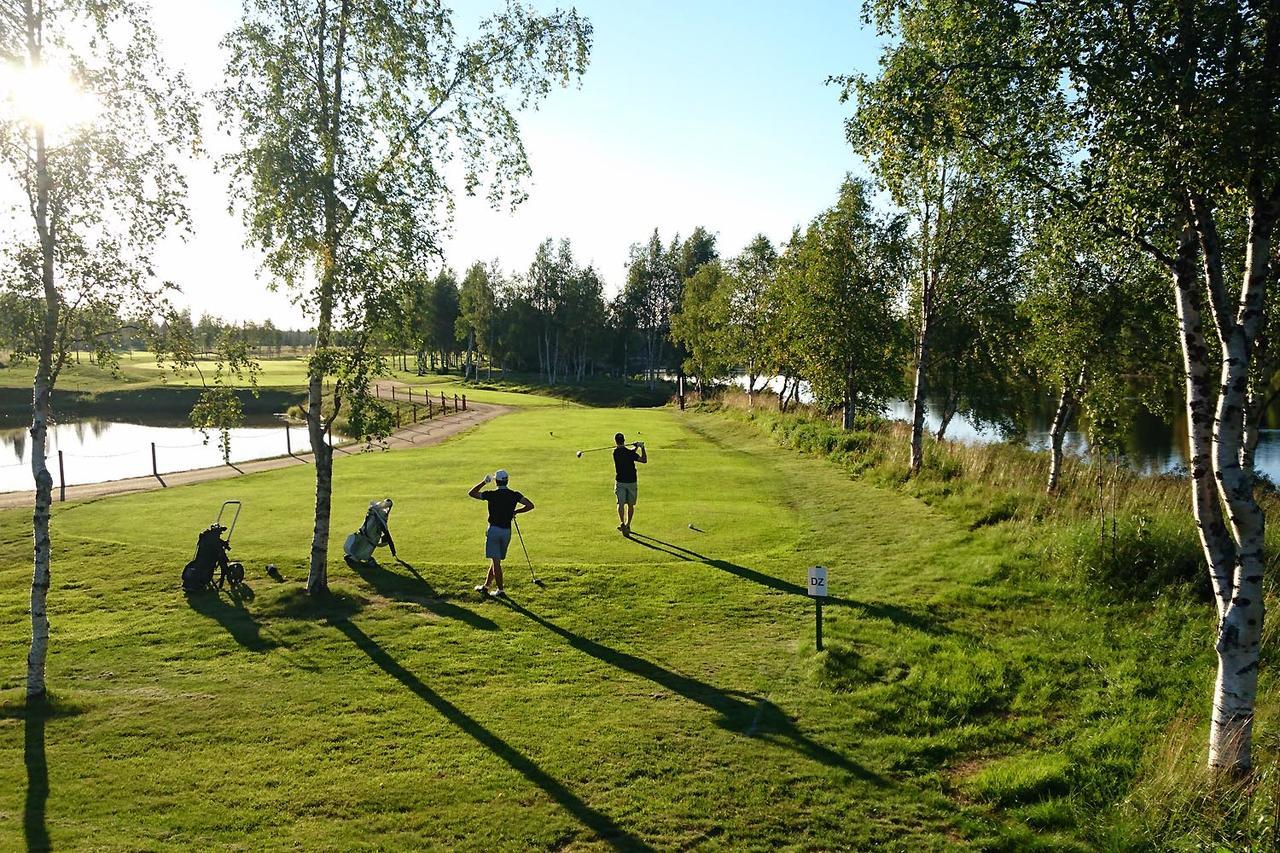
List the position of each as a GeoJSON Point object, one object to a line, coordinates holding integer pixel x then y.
{"type": "Point", "coordinates": [95, 451]}
{"type": "Point", "coordinates": [1153, 446]}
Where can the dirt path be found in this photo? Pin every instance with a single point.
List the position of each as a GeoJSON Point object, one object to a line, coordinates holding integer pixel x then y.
{"type": "Point", "coordinates": [422, 434]}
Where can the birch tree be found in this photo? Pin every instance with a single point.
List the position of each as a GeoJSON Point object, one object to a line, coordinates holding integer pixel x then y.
{"type": "Point", "coordinates": [754, 271]}
{"type": "Point", "coordinates": [475, 314]}
{"type": "Point", "coordinates": [840, 280]}
{"type": "Point", "coordinates": [1100, 330]}
{"type": "Point", "coordinates": [1157, 121]}
{"type": "Point", "coordinates": [91, 119]}
{"type": "Point", "coordinates": [356, 119]}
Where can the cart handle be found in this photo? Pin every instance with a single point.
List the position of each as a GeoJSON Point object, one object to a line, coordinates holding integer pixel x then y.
{"type": "Point", "coordinates": [234, 518]}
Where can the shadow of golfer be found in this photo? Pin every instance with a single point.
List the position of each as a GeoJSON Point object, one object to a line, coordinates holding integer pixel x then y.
{"type": "Point", "coordinates": [739, 712]}
{"type": "Point", "coordinates": [232, 614]}
{"type": "Point", "coordinates": [892, 612]}
{"type": "Point", "coordinates": [33, 814]}
{"type": "Point", "coordinates": [599, 823]}
{"type": "Point", "coordinates": [415, 589]}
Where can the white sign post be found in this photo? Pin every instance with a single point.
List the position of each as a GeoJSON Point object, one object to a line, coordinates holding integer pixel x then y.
{"type": "Point", "coordinates": [818, 591]}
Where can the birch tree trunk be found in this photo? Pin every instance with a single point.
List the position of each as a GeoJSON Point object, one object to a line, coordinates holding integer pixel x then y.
{"type": "Point", "coordinates": [1215, 541]}
{"type": "Point", "coordinates": [948, 413]}
{"type": "Point", "coordinates": [1240, 631]}
{"type": "Point", "coordinates": [917, 397]}
{"type": "Point", "coordinates": [42, 399]}
{"type": "Point", "coordinates": [317, 425]}
{"type": "Point", "coordinates": [1058, 430]}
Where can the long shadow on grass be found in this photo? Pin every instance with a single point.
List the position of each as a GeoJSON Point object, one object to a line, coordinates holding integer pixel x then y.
{"type": "Point", "coordinates": [752, 716]}
{"type": "Point", "coordinates": [33, 815]}
{"type": "Point", "coordinates": [895, 614]}
{"type": "Point", "coordinates": [416, 589]}
{"type": "Point", "coordinates": [232, 614]}
{"type": "Point", "coordinates": [598, 822]}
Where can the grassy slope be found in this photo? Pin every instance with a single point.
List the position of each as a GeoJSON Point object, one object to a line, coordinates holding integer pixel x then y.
{"type": "Point", "coordinates": [138, 374]}
{"type": "Point", "coordinates": [661, 695]}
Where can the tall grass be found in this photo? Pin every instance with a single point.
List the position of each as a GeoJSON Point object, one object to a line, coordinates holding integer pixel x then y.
{"type": "Point", "coordinates": [1111, 536]}
{"type": "Point", "coordinates": [1121, 532]}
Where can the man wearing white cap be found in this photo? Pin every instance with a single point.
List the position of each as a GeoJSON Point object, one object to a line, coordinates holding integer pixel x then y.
{"type": "Point", "coordinates": [504, 505]}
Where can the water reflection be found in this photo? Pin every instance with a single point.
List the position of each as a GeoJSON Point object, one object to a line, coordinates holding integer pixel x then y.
{"type": "Point", "coordinates": [95, 451]}
{"type": "Point", "coordinates": [1153, 444]}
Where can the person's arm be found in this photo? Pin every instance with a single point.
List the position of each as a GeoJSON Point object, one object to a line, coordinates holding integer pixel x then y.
{"type": "Point", "coordinates": [643, 458]}
{"type": "Point", "coordinates": [524, 505]}
{"type": "Point", "coordinates": [475, 490]}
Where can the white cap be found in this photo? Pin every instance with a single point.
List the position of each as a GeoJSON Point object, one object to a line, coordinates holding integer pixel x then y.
{"type": "Point", "coordinates": [501, 475]}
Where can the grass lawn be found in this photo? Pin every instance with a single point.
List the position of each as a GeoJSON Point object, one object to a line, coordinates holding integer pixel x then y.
{"type": "Point", "coordinates": [662, 692]}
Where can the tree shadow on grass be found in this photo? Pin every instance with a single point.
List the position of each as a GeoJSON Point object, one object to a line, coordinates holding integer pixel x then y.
{"type": "Point", "coordinates": [35, 714]}
{"type": "Point", "coordinates": [876, 610]}
{"type": "Point", "coordinates": [232, 614]}
{"type": "Point", "coordinates": [753, 716]}
{"type": "Point", "coordinates": [416, 589]}
{"type": "Point", "coordinates": [599, 823]}
{"type": "Point", "coordinates": [33, 816]}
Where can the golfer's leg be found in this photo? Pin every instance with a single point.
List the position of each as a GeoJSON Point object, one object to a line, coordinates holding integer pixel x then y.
{"type": "Point", "coordinates": [497, 572]}
{"type": "Point", "coordinates": [631, 512]}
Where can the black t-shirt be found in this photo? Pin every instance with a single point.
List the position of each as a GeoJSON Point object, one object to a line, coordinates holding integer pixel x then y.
{"type": "Point", "coordinates": [624, 464]}
{"type": "Point", "coordinates": [502, 506]}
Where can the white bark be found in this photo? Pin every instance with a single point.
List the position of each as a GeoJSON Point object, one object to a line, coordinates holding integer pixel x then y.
{"type": "Point", "coordinates": [917, 400]}
{"type": "Point", "coordinates": [1240, 630]}
{"type": "Point", "coordinates": [42, 396]}
{"type": "Point", "coordinates": [40, 576]}
{"type": "Point", "coordinates": [1057, 431]}
{"type": "Point", "coordinates": [1215, 541]}
{"type": "Point", "coordinates": [318, 577]}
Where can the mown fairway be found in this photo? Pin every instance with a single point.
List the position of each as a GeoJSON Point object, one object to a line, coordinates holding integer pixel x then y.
{"type": "Point", "coordinates": [662, 692]}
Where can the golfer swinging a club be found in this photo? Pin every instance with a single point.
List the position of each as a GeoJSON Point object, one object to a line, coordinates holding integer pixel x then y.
{"type": "Point", "coordinates": [504, 505]}
{"type": "Point", "coordinates": [625, 486]}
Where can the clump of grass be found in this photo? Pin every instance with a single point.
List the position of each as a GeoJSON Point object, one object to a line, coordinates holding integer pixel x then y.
{"type": "Point", "coordinates": [1179, 803]}
{"type": "Point", "coordinates": [1140, 555]}
{"type": "Point", "coordinates": [1021, 779]}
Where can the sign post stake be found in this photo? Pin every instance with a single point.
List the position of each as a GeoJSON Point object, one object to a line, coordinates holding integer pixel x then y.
{"type": "Point", "coordinates": [818, 591]}
{"type": "Point", "coordinates": [818, 602]}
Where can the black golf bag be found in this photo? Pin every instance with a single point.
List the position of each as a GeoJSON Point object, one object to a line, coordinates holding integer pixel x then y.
{"type": "Point", "coordinates": [211, 556]}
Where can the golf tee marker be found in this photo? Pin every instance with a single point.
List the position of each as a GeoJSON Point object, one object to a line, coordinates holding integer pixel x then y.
{"type": "Point", "coordinates": [818, 591]}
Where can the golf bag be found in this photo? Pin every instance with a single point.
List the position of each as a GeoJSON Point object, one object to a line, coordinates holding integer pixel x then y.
{"type": "Point", "coordinates": [211, 556]}
{"type": "Point", "coordinates": [373, 534]}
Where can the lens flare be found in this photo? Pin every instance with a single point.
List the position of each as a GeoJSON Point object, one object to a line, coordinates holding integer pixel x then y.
{"type": "Point", "coordinates": [45, 96]}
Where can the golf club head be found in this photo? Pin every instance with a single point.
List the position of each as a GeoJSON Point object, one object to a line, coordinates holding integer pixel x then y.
{"type": "Point", "coordinates": [579, 454]}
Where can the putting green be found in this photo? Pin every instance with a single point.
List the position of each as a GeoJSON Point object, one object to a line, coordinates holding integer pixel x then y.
{"type": "Point", "coordinates": [659, 692]}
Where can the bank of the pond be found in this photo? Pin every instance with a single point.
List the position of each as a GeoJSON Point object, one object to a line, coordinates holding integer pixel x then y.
{"type": "Point", "coordinates": [1113, 539]}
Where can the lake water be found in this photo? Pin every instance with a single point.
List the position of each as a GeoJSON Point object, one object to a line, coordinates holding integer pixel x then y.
{"type": "Point", "coordinates": [95, 451]}
{"type": "Point", "coordinates": [1153, 446]}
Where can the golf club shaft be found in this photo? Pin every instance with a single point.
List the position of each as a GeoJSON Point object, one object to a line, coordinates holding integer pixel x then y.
{"type": "Point", "coordinates": [526, 551]}
{"type": "Point", "coordinates": [610, 447]}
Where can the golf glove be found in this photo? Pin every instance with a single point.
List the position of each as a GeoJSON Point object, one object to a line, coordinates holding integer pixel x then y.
{"type": "Point", "coordinates": [640, 444]}
{"type": "Point", "coordinates": [488, 478]}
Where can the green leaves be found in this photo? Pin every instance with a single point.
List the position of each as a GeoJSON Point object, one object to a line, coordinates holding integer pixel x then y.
{"type": "Point", "coordinates": [837, 286]}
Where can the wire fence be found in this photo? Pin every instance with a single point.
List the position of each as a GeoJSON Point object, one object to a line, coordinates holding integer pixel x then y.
{"type": "Point", "coordinates": [411, 406]}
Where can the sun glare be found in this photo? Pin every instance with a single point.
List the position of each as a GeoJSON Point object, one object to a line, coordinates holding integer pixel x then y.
{"type": "Point", "coordinates": [45, 96]}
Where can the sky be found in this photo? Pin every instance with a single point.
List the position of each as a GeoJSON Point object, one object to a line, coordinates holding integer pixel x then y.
{"type": "Point", "coordinates": [701, 112]}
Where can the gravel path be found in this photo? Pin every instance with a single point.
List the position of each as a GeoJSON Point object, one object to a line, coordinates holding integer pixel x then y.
{"type": "Point", "coordinates": [422, 434]}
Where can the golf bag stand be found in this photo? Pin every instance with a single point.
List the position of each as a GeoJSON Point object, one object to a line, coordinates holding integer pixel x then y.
{"type": "Point", "coordinates": [211, 554]}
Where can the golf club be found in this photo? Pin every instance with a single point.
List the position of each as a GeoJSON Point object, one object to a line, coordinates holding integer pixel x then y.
{"type": "Point", "coordinates": [536, 580]}
{"type": "Point", "coordinates": [610, 447]}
